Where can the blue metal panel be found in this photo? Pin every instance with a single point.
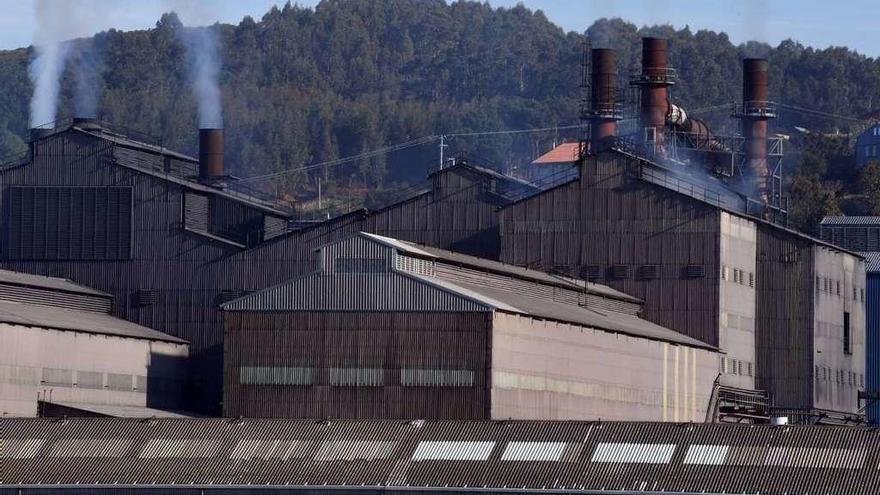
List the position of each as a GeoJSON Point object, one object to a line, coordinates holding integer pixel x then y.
{"type": "Point", "coordinates": [872, 345]}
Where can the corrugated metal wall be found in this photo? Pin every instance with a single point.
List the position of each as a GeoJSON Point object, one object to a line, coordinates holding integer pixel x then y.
{"type": "Point", "coordinates": [784, 323]}
{"type": "Point", "coordinates": [618, 224]}
{"type": "Point", "coordinates": [872, 347]}
{"type": "Point", "coordinates": [355, 363]}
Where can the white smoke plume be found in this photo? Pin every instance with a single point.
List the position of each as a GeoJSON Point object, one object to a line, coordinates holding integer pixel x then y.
{"type": "Point", "coordinates": [56, 24]}
{"type": "Point", "coordinates": [202, 46]}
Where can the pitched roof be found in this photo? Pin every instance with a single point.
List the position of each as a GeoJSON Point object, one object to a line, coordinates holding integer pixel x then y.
{"type": "Point", "coordinates": [563, 153]}
{"type": "Point", "coordinates": [862, 220]}
{"type": "Point", "coordinates": [353, 456]}
{"type": "Point", "coordinates": [872, 261]}
{"type": "Point", "coordinates": [78, 321]}
{"type": "Point", "coordinates": [8, 277]}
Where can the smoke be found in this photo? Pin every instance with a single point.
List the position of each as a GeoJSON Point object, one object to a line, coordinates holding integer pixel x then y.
{"type": "Point", "coordinates": [203, 54]}
{"type": "Point", "coordinates": [87, 68]}
{"type": "Point", "coordinates": [56, 24]}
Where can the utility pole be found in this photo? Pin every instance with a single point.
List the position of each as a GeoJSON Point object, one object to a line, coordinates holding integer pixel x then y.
{"type": "Point", "coordinates": [443, 146]}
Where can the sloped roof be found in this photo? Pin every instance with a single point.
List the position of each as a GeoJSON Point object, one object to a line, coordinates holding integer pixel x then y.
{"type": "Point", "coordinates": [563, 153]}
{"type": "Point", "coordinates": [117, 411]}
{"type": "Point", "coordinates": [353, 456]}
{"type": "Point", "coordinates": [78, 321]}
{"type": "Point", "coordinates": [872, 261]}
{"type": "Point", "coordinates": [8, 277]}
{"type": "Point", "coordinates": [861, 220]}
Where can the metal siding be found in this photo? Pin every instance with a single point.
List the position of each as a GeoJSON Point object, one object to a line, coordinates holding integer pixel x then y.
{"type": "Point", "coordinates": [784, 323]}
{"type": "Point", "coordinates": [872, 330]}
{"type": "Point", "coordinates": [338, 455]}
{"type": "Point", "coordinates": [609, 218]}
{"type": "Point", "coordinates": [385, 341]}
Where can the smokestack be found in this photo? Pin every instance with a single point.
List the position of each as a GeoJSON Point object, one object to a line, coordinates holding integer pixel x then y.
{"type": "Point", "coordinates": [654, 82]}
{"type": "Point", "coordinates": [756, 111]}
{"type": "Point", "coordinates": [210, 155]}
{"type": "Point", "coordinates": [604, 111]}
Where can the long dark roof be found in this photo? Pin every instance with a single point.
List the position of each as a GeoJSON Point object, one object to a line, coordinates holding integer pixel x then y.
{"type": "Point", "coordinates": [54, 318]}
{"type": "Point", "coordinates": [554, 456]}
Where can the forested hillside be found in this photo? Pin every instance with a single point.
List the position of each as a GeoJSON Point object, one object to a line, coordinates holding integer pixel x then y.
{"type": "Point", "coordinates": [303, 86]}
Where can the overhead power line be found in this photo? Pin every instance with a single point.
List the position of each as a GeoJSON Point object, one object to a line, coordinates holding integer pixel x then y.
{"type": "Point", "coordinates": [402, 146]}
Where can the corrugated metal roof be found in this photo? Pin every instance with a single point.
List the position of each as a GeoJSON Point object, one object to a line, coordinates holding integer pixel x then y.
{"type": "Point", "coordinates": [116, 411]}
{"type": "Point", "coordinates": [564, 153]}
{"type": "Point", "coordinates": [872, 261]}
{"type": "Point", "coordinates": [78, 321]}
{"type": "Point", "coordinates": [8, 277]}
{"type": "Point", "coordinates": [497, 455]}
{"type": "Point", "coordinates": [498, 267]}
{"type": "Point", "coordinates": [851, 220]}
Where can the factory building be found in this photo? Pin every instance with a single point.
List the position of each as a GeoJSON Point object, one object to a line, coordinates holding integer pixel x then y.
{"type": "Point", "coordinates": [709, 256]}
{"type": "Point", "coordinates": [195, 456]}
{"type": "Point", "coordinates": [862, 233]}
{"type": "Point", "coordinates": [385, 328]}
{"type": "Point", "coordinates": [62, 353]}
{"type": "Point", "coordinates": [867, 146]}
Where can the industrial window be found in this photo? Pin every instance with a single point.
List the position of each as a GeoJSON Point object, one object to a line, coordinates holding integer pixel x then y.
{"type": "Point", "coordinates": [751, 279]}
{"type": "Point", "coordinates": [235, 221]}
{"type": "Point", "coordinates": [724, 273]}
{"type": "Point", "coordinates": [695, 271]}
{"type": "Point", "coordinates": [359, 377]}
{"type": "Point", "coordinates": [275, 375]}
{"type": "Point", "coordinates": [648, 272]}
{"type": "Point", "coordinates": [436, 378]}
{"type": "Point", "coordinates": [619, 272]}
{"type": "Point", "coordinates": [855, 293]}
{"type": "Point", "coordinates": [734, 366]}
{"type": "Point", "coordinates": [736, 275]}
{"type": "Point", "coordinates": [361, 265]}
{"type": "Point", "coordinates": [591, 272]}
{"type": "Point", "coordinates": [67, 223]}
{"type": "Point", "coordinates": [749, 370]}
{"type": "Point", "coordinates": [847, 341]}
{"type": "Point", "coordinates": [862, 294]}
{"type": "Point", "coordinates": [838, 287]}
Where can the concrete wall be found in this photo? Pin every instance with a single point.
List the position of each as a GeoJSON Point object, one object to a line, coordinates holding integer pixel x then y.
{"type": "Point", "coordinates": [74, 367]}
{"type": "Point", "coordinates": [736, 322]}
{"type": "Point", "coordinates": [548, 370]}
{"type": "Point", "coordinates": [838, 375]}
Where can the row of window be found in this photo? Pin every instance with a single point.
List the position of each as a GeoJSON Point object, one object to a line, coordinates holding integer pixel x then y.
{"type": "Point", "coordinates": [832, 287]}
{"type": "Point", "coordinates": [737, 276]}
{"type": "Point", "coordinates": [840, 377]}
{"type": "Point", "coordinates": [871, 151]}
{"type": "Point", "coordinates": [355, 377]}
{"type": "Point", "coordinates": [730, 366]}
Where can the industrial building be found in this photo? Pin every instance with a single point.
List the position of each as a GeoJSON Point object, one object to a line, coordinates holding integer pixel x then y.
{"type": "Point", "coordinates": [689, 223]}
{"type": "Point", "coordinates": [62, 353]}
{"type": "Point", "coordinates": [389, 329]}
{"type": "Point", "coordinates": [693, 224]}
{"type": "Point", "coordinates": [862, 233]}
{"type": "Point", "coordinates": [204, 456]}
{"type": "Point", "coordinates": [867, 146]}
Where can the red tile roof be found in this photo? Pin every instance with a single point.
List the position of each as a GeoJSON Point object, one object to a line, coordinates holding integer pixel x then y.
{"type": "Point", "coordinates": [564, 153]}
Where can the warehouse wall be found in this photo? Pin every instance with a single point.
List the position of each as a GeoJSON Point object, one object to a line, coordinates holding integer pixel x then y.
{"type": "Point", "coordinates": [547, 370]}
{"type": "Point", "coordinates": [838, 372]}
{"type": "Point", "coordinates": [356, 365]}
{"type": "Point", "coordinates": [737, 296]}
{"type": "Point", "coordinates": [872, 347]}
{"type": "Point", "coordinates": [609, 218]}
{"type": "Point", "coordinates": [64, 366]}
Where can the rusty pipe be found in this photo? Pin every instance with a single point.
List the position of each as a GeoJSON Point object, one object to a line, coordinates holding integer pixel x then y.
{"type": "Point", "coordinates": [210, 155]}
{"type": "Point", "coordinates": [755, 124]}
{"type": "Point", "coordinates": [654, 84]}
{"type": "Point", "coordinates": [603, 98]}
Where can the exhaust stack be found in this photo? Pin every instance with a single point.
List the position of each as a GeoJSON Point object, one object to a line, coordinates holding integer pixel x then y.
{"type": "Point", "coordinates": [654, 81]}
{"type": "Point", "coordinates": [210, 155]}
{"type": "Point", "coordinates": [604, 108]}
{"type": "Point", "coordinates": [755, 114]}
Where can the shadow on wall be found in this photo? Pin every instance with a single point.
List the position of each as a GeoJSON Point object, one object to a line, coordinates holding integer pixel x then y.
{"type": "Point", "coordinates": [168, 386]}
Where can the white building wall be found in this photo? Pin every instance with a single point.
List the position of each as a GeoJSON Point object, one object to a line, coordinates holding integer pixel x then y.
{"type": "Point", "coordinates": [838, 375]}
{"type": "Point", "coordinates": [76, 367]}
{"type": "Point", "coordinates": [548, 370]}
{"type": "Point", "coordinates": [737, 309]}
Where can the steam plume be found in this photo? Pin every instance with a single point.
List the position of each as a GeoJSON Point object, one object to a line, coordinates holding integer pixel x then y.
{"type": "Point", "coordinates": [202, 46]}
{"type": "Point", "coordinates": [56, 24]}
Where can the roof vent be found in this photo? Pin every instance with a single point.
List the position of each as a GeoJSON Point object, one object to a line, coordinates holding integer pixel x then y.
{"type": "Point", "coordinates": [144, 297]}
{"type": "Point", "coordinates": [618, 272]}
{"type": "Point", "coordinates": [648, 272]}
{"type": "Point", "coordinates": [694, 271]}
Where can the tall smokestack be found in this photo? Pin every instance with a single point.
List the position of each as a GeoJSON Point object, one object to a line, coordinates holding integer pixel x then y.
{"type": "Point", "coordinates": [210, 155]}
{"type": "Point", "coordinates": [756, 111]}
{"type": "Point", "coordinates": [654, 82]}
{"type": "Point", "coordinates": [604, 110]}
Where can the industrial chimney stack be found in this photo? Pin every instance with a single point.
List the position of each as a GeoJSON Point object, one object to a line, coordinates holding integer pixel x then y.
{"type": "Point", "coordinates": [604, 109]}
{"type": "Point", "coordinates": [755, 114]}
{"type": "Point", "coordinates": [654, 81]}
{"type": "Point", "coordinates": [210, 155]}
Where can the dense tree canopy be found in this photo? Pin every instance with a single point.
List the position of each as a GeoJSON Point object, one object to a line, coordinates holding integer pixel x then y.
{"type": "Point", "coordinates": [304, 86]}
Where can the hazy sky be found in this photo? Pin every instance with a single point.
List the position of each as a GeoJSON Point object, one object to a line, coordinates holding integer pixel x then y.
{"type": "Point", "coordinates": [818, 23]}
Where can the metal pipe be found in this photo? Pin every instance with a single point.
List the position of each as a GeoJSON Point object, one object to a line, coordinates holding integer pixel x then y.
{"type": "Point", "coordinates": [603, 98]}
{"type": "Point", "coordinates": [755, 114]}
{"type": "Point", "coordinates": [210, 155]}
{"type": "Point", "coordinates": [655, 84]}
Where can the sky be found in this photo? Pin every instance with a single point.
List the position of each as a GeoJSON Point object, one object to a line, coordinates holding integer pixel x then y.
{"type": "Point", "coordinates": [817, 23]}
